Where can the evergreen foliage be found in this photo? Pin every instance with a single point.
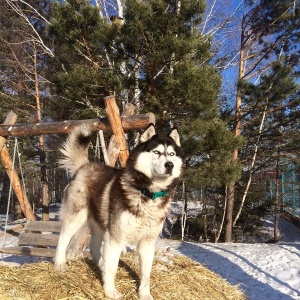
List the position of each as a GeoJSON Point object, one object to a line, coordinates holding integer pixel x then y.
{"type": "Point", "coordinates": [158, 59]}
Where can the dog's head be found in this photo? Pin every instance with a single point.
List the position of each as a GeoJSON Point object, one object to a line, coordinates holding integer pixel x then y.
{"type": "Point", "coordinates": [159, 157]}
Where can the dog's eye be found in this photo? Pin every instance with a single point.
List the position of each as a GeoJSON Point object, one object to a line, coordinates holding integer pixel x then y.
{"type": "Point", "coordinates": [156, 152]}
{"type": "Point", "coordinates": [172, 153]}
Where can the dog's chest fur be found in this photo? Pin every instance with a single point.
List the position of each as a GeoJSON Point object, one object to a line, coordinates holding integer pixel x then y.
{"type": "Point", "coordinates": [119, 207]}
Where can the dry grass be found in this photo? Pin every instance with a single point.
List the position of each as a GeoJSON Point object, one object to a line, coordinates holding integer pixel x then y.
{"type": "Point", "coordinates": [173, 277]}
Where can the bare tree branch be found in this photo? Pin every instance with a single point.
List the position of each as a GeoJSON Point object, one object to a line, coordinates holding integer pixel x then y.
{"type": "Point", "coordinates": [14, 5]}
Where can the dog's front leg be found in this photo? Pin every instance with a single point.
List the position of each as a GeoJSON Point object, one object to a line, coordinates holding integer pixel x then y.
{"type": "Point", "coordinates": [109, 265]}
{"type": "Point", "coordinates": [146, 251]}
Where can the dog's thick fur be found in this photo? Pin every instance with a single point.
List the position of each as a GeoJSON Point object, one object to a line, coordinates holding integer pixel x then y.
{"type": "Point", "coordinates": [117, 204]}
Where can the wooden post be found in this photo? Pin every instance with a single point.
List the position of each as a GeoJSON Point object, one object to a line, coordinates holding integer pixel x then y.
{"type": "Point", "coordinates": [113, 150]}
{"type": "Point", "coordinates": [114, 118]}
{"type": "Point", "coordinates": [10, 120]}
{"type": "Point", "coordinates": [114, 143]}
{"type": "Point", "coordinates": [12, 174]}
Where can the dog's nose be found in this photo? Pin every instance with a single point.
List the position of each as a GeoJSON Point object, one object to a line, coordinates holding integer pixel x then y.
{"type": "Point", "coordinates": [169, 165]}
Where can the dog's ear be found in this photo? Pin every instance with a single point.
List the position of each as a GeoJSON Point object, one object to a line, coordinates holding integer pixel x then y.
{"type": "Point", "coordinates": [148, 134]}
{"type": "Point", "coordinates": [175, 136]}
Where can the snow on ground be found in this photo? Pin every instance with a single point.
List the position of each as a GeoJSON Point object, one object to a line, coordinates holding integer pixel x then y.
{"type": "Point", "coordinates": [263, 271]}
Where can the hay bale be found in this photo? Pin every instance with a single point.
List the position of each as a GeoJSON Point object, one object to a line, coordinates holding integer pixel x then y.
{"type": "Point", "coordinates": [173, 277]}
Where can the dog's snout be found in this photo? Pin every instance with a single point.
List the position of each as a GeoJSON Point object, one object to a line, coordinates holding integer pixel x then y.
{"type": "Point", "coordinates": [169, 165]}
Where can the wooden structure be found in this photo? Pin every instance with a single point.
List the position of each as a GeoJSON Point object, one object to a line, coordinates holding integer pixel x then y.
{"type": "Point", "coordinates": [117, 146]}
{"type": "Point", "coordinates": [12, 173]}
{"type": "Point", "coordinates": [39, 238]}
{"type": "Point", "coordinates": [128, 122]}
{"type": "Point", "coordinates": [33, 241]}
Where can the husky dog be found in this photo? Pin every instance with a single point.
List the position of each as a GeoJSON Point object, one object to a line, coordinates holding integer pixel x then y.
{"type": "Point", "coordinates": [121, 206]}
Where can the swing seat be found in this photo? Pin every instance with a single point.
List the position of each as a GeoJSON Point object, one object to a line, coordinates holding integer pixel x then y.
{"type": "Point", "coordinates": [39, 238]}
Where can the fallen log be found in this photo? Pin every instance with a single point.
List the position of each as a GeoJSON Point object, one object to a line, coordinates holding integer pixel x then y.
{"type": "Point", "coordinates": [64, 127]}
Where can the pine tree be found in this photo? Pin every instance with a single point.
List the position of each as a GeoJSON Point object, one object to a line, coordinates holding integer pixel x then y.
{"type": "Point", "coordinates": [83, 70]}
{"type": "Point", "coordinates": [268, 30]}
{"type": "Point", "coordinates": [159, 61]}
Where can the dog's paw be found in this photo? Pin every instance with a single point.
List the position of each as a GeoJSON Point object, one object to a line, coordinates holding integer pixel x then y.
{"type": "Point", "coordinates": [113, 294]}
{"type": "Point", "coordinates": [61, 267]}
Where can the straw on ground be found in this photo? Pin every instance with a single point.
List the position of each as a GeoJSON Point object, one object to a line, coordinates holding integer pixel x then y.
{"type": "Point", "coordinates": [173, 277]}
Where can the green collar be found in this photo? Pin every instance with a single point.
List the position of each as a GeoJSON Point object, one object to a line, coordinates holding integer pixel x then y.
{"type": "Point", "coordinates": [155, 195]}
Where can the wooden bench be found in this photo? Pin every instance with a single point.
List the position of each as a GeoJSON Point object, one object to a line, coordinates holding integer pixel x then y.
{"type": "Point", "coordinates": [39, 238]}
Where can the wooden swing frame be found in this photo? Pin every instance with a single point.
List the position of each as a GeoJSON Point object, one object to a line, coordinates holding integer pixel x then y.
{"type": "Point", "coordinates": [40, 238]}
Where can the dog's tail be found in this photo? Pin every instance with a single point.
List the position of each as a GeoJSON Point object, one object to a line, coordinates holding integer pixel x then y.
{"type": "Point", "coordinates": [75, 149]}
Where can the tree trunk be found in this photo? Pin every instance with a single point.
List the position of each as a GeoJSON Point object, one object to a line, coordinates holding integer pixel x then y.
{"type": "Point", "coordinates": [44, 185]}
{"type": "Point", "coordinates": [42, 153]}
{"type": "Point", "coordinates": [237, 133]}
{"type": "Point", "coordinates": [276, 204]}
{"type": "Point", "coordinates": [229, 212]}
{"type": "Point", "coordinates": [223, 217]}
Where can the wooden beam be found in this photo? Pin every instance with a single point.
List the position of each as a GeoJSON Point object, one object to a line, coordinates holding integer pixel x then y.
{"type": "Point", "coordinates": [114, 143]}
{"type": "Point", "coordinates": [12, 173]}
{"type": "Point", "coordinates": [128, 122]}
{"type": "Point", "coordinates": [114, 117]}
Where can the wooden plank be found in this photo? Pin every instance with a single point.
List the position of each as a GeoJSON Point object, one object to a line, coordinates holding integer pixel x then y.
{"type": "Point", "coordinates": [28, 251]}
{"type": "Point", "coordinates": [38, 239]}
{"type": "Point", "coordinates": [43, 226]}
{"type": "Point", "coordinates": [129, 122]}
